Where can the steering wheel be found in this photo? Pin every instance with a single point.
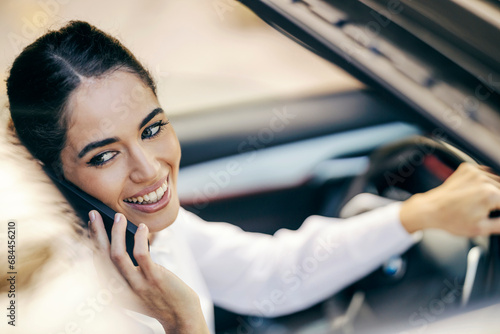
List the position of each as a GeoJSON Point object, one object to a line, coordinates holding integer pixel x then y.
{"type": "Point", "coordinates": [438, 273]}
{"type": "Point", "coordinates": [404, 168]}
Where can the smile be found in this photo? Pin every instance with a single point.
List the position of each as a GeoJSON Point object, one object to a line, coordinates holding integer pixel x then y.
{"type": "Point", "coordinates": [151, 200]}
{"type": "Point", "coordinates": [152, 197]}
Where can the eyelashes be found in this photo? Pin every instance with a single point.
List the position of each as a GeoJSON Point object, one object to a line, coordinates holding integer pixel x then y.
{"type": "Point", "coordinates": [102, 158]}
{"type": "Point", "coordinates": [153, 130]}
{"type": "Point", "coordinates": [150, 132]}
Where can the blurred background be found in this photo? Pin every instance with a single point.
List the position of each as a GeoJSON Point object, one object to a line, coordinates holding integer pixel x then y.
{"type": "Point", "coordinates": [203, 54]}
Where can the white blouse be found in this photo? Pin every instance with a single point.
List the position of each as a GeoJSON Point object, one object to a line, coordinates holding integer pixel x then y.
{"type": "Point", "coordinates": [264, 275]}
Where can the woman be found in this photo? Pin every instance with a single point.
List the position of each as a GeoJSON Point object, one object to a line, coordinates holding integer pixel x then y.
{"type": "Point", "coordinates": [51, 258]}
{"type": "Point", "coordinates": [84, 106]}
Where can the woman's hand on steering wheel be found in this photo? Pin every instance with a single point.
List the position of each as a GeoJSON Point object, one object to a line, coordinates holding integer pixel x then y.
{"type": "Point", "coordinates": [461, 205]}
{"type": "Point", "coordinates": [152, 289]}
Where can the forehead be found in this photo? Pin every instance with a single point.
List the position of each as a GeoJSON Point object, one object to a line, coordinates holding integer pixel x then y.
{"type": "Point", "coordinates": [101, 107]}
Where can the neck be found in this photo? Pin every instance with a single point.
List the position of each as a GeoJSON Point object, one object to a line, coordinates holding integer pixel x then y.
{"type": "Point", "coordinates": [151, 237]}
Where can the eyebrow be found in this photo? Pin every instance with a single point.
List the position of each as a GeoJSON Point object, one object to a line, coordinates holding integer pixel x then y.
{"type": "Point", "coordinates": [107, 141]}
{"type": "Point", "coordinates": [96, 144]}
{"type": "Point", "coordinates": [150, 116]}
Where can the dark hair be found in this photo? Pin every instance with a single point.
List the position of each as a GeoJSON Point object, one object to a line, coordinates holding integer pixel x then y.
{"type": "Point", "coordinates": [45, 74]}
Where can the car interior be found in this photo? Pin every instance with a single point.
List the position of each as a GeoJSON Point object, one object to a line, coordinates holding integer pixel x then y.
{"type": "Point", "coordinates": [269, 165]}
{"type": "Point", "coordinates": [329, 149]}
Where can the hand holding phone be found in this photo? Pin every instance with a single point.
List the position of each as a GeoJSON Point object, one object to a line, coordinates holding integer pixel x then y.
{"type": "Point", "coordinates": [83, 203]}
{"type": "Point", "coordinates": [157, 292]}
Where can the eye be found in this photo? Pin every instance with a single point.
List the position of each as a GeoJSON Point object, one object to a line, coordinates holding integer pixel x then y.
{"type": "Point", "coordinates": [153, 130]}
{"type": "Point", "coordinates": [102, 158]}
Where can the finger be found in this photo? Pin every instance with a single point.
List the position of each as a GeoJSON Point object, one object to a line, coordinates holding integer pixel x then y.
{"type": "Point", "coordinates": [100, 239]}
{"type": "Point", "coordinates": [486, 169]}
{"type": "Point", "coordinates": [493, 225]}
{"type": "Point", "coordinates": [492, 194]}
{"type": "Point", "coordinates": [491, 174]}
{"type": "Point", "coordinates": [141, 252]}
{"type": "Point", "coordinates": [98, 232]}
{"type": "Point", "coordinates": [495, 183]}
{"type": "Point", "coordinates": [119, 254]}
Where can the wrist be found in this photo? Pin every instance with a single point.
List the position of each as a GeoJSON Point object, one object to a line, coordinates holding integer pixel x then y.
{"type": "Point", "coordinates": [189, 320]}
{"type": "Point", "coordinates": [413, 214]}
{"type": "Point", "coordinates": [195, 324]}
{"type": "Point", "coordinates": [183, 326]}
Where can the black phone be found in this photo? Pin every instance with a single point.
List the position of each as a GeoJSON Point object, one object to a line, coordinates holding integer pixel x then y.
{"type": "Point", "coordinates": [82, 203]}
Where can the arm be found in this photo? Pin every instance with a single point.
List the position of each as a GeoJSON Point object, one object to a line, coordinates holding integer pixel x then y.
{"type": "Point", "coordinates": [274, 275]}
{"type": "Point", "coordinates": [265, 275]}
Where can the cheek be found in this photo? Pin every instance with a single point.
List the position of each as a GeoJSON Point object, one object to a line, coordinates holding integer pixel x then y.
{"type": "Point", "coordinates": [105, 185]}
{"type": "Point", "coordinates": [108, 189]}
{"type": "Point", "coordinates": [168, 150]}
{"type": "Point", "coordinates": [174, 149]}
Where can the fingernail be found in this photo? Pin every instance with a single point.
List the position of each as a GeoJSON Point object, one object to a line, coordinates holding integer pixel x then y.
{"type": "Point", "coordinates": [92, 216]}
{"type": "Point", "coordinates": [117, 217]}
{"type": "Point", "coordinates": [142, 226]}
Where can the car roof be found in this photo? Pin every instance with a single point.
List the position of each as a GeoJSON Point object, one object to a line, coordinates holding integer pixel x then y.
{"type": "Point", "coordinates": [419, 53]}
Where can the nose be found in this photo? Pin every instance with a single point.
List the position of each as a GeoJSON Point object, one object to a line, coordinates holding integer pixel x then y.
{"type": "Point", "coordinates": [145, 166]}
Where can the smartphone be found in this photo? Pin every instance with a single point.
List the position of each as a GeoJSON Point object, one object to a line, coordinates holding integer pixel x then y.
{"type": "Point", "coordinates": [82, 203]}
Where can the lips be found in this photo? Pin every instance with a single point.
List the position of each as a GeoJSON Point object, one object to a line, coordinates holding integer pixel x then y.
{"type": "Point", "coordinates": [153, 198]}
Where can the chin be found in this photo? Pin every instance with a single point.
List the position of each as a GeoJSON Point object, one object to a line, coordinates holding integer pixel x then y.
{"type": "Point", "coordinates": [164, 219]}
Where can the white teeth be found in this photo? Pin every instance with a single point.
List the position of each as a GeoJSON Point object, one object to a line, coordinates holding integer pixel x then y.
{"type": "Point", "coordinates": [152, 197]}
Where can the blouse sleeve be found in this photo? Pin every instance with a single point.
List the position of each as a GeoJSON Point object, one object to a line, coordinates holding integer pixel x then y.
{"type": "Point", "coordinates": [259, 274]}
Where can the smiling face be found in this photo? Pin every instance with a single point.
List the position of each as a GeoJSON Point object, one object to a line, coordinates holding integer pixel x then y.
{"type": "Point", "coordinates": [122, 150]}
